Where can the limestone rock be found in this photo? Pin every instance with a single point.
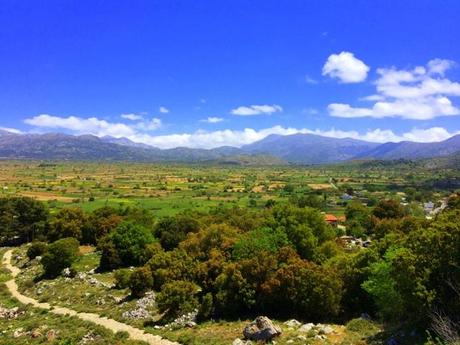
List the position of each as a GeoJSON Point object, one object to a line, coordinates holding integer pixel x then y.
{"type": "Point", "coordinates": [292, 323]}
{"type": "Point", "coordinates": [306, 327]}
{"type": "Point", "coordinates": [262, 328]}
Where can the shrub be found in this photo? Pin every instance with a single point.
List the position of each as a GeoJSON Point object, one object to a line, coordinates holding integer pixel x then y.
{"type": "Point", "coordinates": [69, 222]}
{"type": "Point", "coordinates": [36, 249]}
{"type": "Point", "coordinates": [263, 239]}
{"type": "Point", "coordinates": [122, 277]}
{"type": "Point", "coordinates": [126, 246]}
{"type": "Point", "coordinates": [109, 258]}
{"type": "Point", "coordinates": [206, 307]}
{"type": "Point", "coordinates": [172, 230]}
{"type": "Point", "coordinates": [140, 281]}
{"type": "Point", "coordinates": [177, 298]}
{"type": "Point", "coordinates": [362, 326]}
{"type": "Point", "coordinates": [305, 289]}
{"type": "Point", "coordinates": [61, 254]}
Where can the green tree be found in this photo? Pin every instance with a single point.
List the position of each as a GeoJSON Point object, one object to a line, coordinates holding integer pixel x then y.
{"type": "Point", "coordinates": [22, 218]}
{"type": "Point", "coordinates": [173, 230]}
{"type": "Point", "coordinates": [389, 208]}
{"type": "Point", "coordinates": [304, 289]}
{"type": "Point", "coordinates": [68, 222]}
{"type": "Point", "coordinates": [36, 249]}
{"type": "Point", "coordinates": [100, 223]}
{"type": "Point", "coordinates": [260, 240]}
{"type": "Point", "coordinates": [304, 227]}
{"type": "Point", "coordinates": [60, 254]}
{"type": "Point", "coordinates": [126, 246]}
{"type": "Point", "coordinates": [358, 218]}
{"type": "Point", "coordinates": [383, 288]}
{"type": "Point", "coordinates": [140, 281]}
{"type": "Point", "coordinates": [177, 298]}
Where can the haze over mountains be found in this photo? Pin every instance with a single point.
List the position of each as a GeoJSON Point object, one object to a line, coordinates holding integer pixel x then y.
{"type": "Point", "coordinates": [296, 148]}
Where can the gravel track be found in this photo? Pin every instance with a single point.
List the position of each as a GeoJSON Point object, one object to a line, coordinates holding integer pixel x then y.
{"type": "Point", "coordinates": [113, 325]}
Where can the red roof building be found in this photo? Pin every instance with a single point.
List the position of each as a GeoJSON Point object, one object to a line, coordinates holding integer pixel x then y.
{"type": "Point", "coordinates": [331, 219]}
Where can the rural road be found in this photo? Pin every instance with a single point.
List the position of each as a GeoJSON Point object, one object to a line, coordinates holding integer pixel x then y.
{"type": "Point", "coordinates": [113, 325]}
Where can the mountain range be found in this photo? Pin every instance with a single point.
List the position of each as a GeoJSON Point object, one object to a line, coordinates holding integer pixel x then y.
{"type": "Point", "coordinates": [295, 149]}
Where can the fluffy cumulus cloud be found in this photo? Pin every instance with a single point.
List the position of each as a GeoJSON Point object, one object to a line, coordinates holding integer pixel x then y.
{"type": "Point", "coordinates": [346, 68]}
{"type": "Point", "coordinates": [418, 94]}
{"type": "Point", "coordinates": [92, 125]}
{"type": "Point", "coordinates": [256, 110]}
{"type": "Point", "coordinates": [164, 110]}
{"type": "Point", "coordinates": [80, 125]}
{"type": "Point", "coordinates": [212, 119]}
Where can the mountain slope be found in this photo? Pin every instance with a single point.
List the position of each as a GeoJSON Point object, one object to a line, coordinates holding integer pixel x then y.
{"type": "Point", "coordinates": [413, 150]}
{"type": "Point", "coordinates": [296, 148]}
{"type": "Point", "coordinates": [89, 147]}
{"type": "Point", "coordinates": [309, 148]}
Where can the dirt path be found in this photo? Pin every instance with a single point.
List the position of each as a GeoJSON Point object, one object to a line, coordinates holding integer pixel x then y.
{"type": "Point", "coordinates": [113, 325]}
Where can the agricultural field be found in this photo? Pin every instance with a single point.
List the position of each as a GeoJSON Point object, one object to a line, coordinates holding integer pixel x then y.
{"type": "Point", "coordinates": [170, 189]}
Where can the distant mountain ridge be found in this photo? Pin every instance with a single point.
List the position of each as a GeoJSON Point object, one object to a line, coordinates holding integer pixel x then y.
{"type": "Point", "coordinates": [310, 148]}
{"type": "Point", "coordinates": [296, 149]}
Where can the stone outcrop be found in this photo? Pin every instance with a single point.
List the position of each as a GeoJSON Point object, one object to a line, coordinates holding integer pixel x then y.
{"type": "Point", "coordinates": [261, 329]}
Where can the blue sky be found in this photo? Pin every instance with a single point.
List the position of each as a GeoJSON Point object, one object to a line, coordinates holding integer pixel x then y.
{"type": "Point", "coordinates": [211, 73]}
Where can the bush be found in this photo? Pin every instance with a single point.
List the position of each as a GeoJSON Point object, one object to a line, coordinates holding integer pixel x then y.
{"type": "Point", "coordinates": [23, 219]}
{"type": "Point", "coordinates": [177, 298]}
{"type": "Point", "coordinates": [61, 254]}
{"type": "Point", "coordinates": [206, 307]}
{"type": "Point", "coordinates": [126, 246]}
{"type": "Point", "coordinates": [36, 249]}
{"type": "Point", "coordinates": [69, 222]}
{"type": "Point", "coordinates": [140, 281]}
{"type": "Point", "coordinates": [122, 277]}
{"type": "Point", "coordinates": [263, 239]}
{"type": "Point", "coordinates": [109, 258]}
{"type": "Point", "coordinates": [362, 326]}
{"type": "Point", "coordinates": [173, 230]}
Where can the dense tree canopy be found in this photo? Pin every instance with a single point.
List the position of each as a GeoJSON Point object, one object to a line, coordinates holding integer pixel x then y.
{"type": "Point", "coordinates": [22, 218]}
{"type": "Point", "coordinates": [283, 260]}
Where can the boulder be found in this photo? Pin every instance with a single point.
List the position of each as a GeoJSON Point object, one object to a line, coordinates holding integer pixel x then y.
{"type": "Point", "coordinates": [261, 329]}
{"type": "Point", "coordinates": [325, 329]}
{"type": "Point", "coordinates": [292, 323]}
{"type": "Point", "coordinates": [306, 327]}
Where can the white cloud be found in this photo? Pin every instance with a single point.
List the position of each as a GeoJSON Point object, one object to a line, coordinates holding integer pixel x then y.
{"type": "Point", "coordinates": [132, 117]}
{"type": "Point", "coordinates": [80, 125]}
{"type": "Point", "coordinates": [256, 110]}
{"type": "Point", "coordinates": [211, 139]}
{"type": "Point", "coordinates": [11, 130]}
{"type": "Point", "coordinates": [164, 110]}
{"type": "Point", "coordinates": [92, 125]}
{"type": "Point", "coordinates": [439, 66]}
{"type": "Point", "coordinates": [212, 119]}
{"type": "Point", "coordinates": [346, 68]}
{"type": "Point", "coordinates": [417, 94]}
{"type": "Point", "coordinates": [150, 125]}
